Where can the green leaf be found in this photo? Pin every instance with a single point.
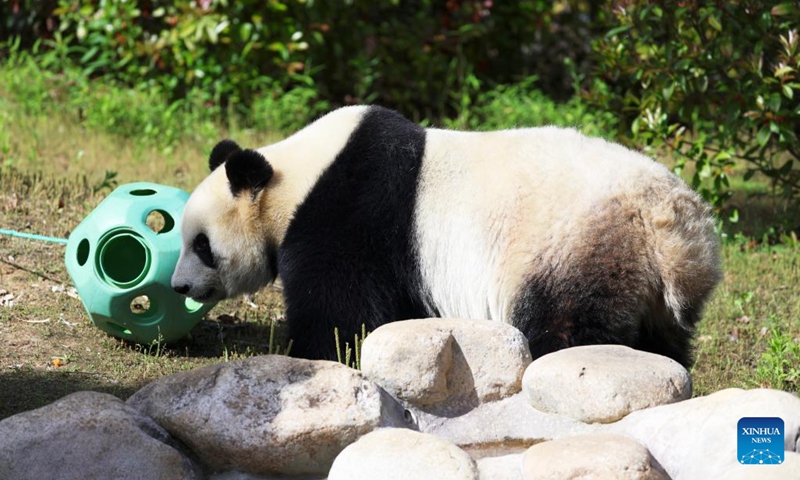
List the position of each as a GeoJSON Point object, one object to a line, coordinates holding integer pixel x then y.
{"type": "Point", "coordinates": [783, 71]}
{"type": "Point", "coordinates": [714, 22]}
{"type": "Point", "coordinates": [763, 135]}
{"type": "Point", "coordinates": [775, 102]}
{"type": "Point", "coordinates": [722, 156]}
{"type": "Point", "coordinates": [89, 54]}
{"type": "Point", "coordinates": [785, 8]}
{"type": "Point", "coordinates": [788, 92]}
{"type": "Point", "coordinates": [616, 31]}
{"type": "Point", "coordinates": [668, 90]}
{"type": "Point", "coordinates": [245, 30]}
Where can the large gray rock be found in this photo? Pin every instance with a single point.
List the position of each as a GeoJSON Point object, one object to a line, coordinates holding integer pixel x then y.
{"type": "Point", "coordinates": [698, 438]}
{"type": "Point", "coordinates": [603, 383]}
{"type": "Point", "coordinates": [270, 414]}
{"type": "Point", "coordinates": [400, 454]}
{"type": "Point", "coordinates": [601, 456]}
{"type": "Point", "coordinates": [446, 365]}
{"type": "Point", "coordinates": [89, 435]}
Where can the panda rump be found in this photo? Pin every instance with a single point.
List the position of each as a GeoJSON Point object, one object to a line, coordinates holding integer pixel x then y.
{"type": "Point", "coordinates": [369, 218]}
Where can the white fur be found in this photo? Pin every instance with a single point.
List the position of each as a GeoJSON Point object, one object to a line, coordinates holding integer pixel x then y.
{"type": "Point", "coordinates": [491, 202]}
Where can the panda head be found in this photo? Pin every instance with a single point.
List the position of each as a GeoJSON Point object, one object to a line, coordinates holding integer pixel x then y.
{"type": "Point", "coordinates": [228, 245]}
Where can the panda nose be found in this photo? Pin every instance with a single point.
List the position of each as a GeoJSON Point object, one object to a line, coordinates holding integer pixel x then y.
{"type": "Point", "coordinates": [182, 289]}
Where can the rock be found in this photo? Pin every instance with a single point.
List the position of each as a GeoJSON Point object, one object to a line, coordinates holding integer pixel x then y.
{"type": "Point", "coordinates": [237, 475]}
{"type": "Point", "coordinates": [603, 383]}
{"type": "Point", "coordinates": [449, 365]}
{"type": "Point", "coordinates": [503, 467]}
{"type": "Point", "coordinates": [398, 453]}
{"type": "Point", "coordinates": [601, 456]}
{"type": "Point", "coordinates": [89, 435]}
{"type": "Point", "coordinates": [270, 414]}
{"type": "Point", "coordinates": [510, 423]}
{"type": "Point", "coordinates": [698, 438]}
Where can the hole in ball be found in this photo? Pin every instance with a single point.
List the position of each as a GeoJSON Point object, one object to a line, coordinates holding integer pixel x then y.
{"type": "Point", "coordinates": [123, 259]}
{"type": "Point", "coordinates": [119, 329]}
{"type": "Point", "coordinates": [83, 252]}
{"type": "Point", "coordinates": [141, 305]}
{"type": "Point", "coordinates": [143, 192]}
{"type": "Point", "coordinates": [191, 305]}
{"type": "Point", "coordinates": [160, 221]}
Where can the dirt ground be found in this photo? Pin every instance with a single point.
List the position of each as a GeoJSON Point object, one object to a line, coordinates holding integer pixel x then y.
{"type": "Point", "coordinates": [48, 345]}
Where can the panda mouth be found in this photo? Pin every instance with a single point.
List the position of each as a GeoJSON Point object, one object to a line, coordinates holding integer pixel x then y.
{"type": "Point", "coordinates": [206, 296]}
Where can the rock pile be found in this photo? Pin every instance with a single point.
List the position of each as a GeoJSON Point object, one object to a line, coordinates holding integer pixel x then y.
{"type": "Point", "coordinates": [453, 399]}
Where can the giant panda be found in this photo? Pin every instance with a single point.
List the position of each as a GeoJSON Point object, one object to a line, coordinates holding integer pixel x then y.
{"type": "Point", "coordinates": [369, 218]}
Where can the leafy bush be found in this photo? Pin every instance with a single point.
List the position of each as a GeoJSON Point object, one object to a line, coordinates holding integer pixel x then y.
{"type": "Point", "coordinates": [226, 51]}
{"type": "Point", "coordinates": [419, 57]}
{"type": "Point", "coordinates": [713, 82]}
{"type": "Point", "coordinates": [523, 105]}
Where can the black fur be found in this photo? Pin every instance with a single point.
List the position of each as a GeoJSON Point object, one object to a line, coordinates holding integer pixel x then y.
{"type": "Point", "coordinates": [202, 248]}
{"type": "Point", "coordinates": [247, 170]}
{"type": "Point", "coordinates": [348, 257]}
{"type": "Point", "coordinates": [557, 311]}
{"type": "Point", "coordinates": [221, 152]}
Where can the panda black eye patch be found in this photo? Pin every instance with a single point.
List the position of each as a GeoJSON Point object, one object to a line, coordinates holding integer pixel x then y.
{"type": "Point", "coordinates": [202, 248]}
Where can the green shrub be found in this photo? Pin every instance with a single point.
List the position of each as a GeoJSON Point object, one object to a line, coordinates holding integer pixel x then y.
{"type": "Point", "coordinates": [779, 366]}
{"type": "Point", "coordinates": [418, 57]}
{"type": "Point", "coordinates": [523, 105]}
{"type": "Point", "coordinates": [715, 83]}
{"type": "Point", "coordinates": [228, 50]}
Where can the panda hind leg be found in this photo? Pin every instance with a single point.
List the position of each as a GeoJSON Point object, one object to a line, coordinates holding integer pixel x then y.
{"type": "Point", "coordinates": [554, 322]}
{"type": "Point", "coordinates": [597, 286]}
{"type": "Point", "coordinates": [660, 334]}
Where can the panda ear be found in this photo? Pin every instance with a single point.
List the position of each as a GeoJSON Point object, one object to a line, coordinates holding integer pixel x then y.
{"type": "Point", "coordinates": [247, 170]}
{"type": "Point", "coordinates": [221, 152]}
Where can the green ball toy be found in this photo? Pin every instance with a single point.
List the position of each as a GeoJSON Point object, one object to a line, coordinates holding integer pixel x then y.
{"type": "Point", "coordinates": [121, 267]}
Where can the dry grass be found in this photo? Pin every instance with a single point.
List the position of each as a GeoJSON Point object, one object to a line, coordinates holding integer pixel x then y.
{"type": "Point", "coordinates": [51, 175]}
{"type": "Point", "coordinates": [49, 346]}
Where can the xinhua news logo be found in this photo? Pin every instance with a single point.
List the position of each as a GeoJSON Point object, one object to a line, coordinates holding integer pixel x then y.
{"type": "Point", "coordinates": [760, 441]}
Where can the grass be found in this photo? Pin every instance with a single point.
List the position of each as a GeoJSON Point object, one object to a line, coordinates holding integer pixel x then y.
{"type": "Point", "coordinates": [756, 304]}
{"type": "Point", "coordinates": [55, 167]}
